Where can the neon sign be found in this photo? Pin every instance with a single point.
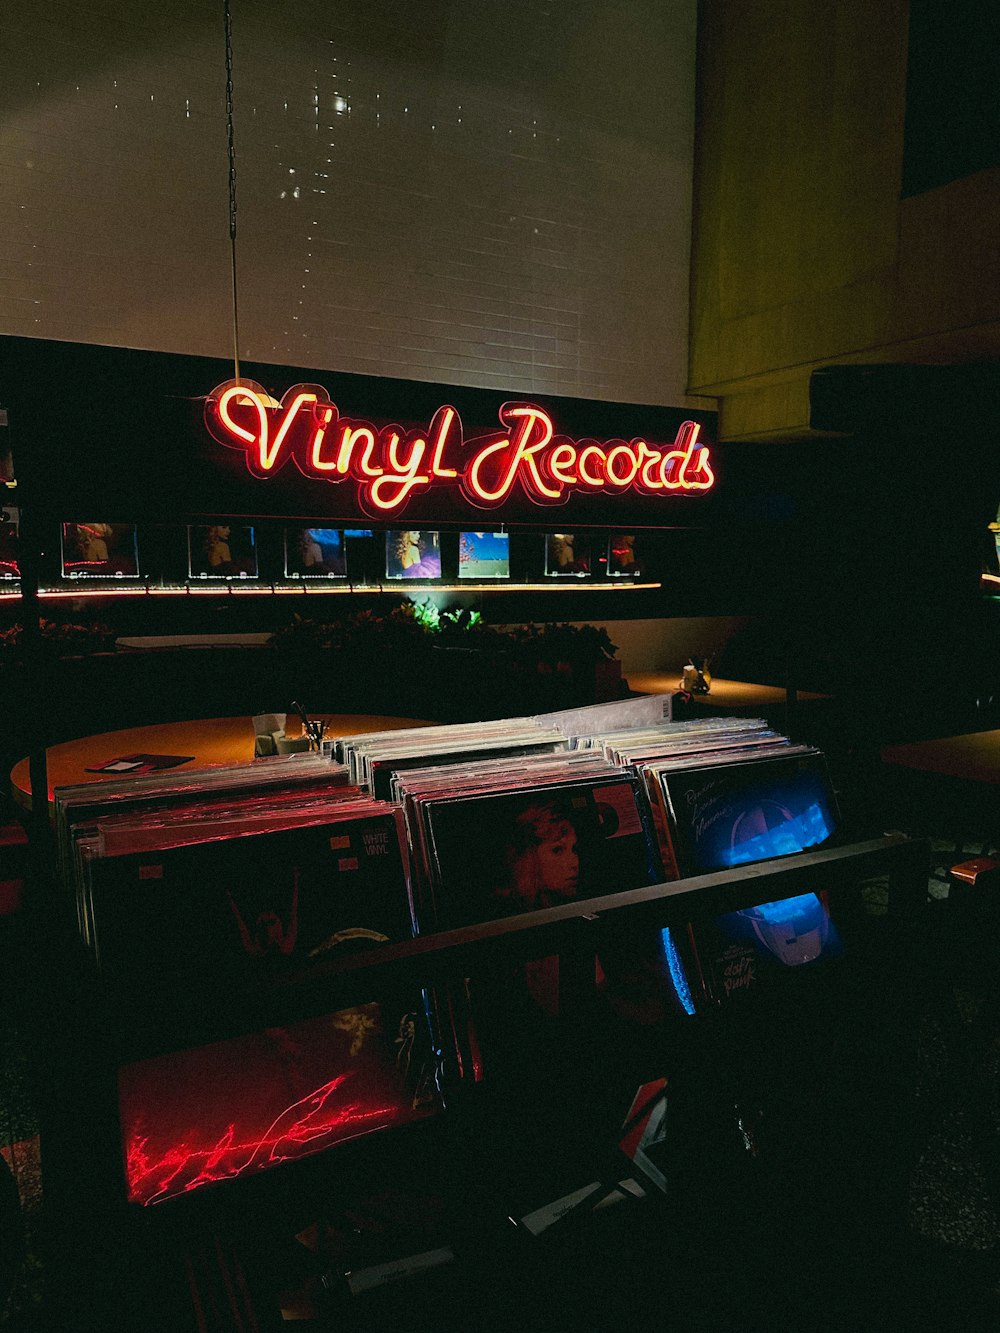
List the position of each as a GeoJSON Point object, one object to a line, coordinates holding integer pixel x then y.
{"type": "Point", "coordinates": [390, 465]}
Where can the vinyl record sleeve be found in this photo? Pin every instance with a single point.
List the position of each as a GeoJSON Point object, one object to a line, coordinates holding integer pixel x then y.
{"type": "Point", "coordinates": [198, 1116]}
{"type": "Point", "coordinates": [211, 919]}
{"type": "Point", "coordinates": [84, 803]}
{"type": "Point", "coordinates": [741, 951]}
{"type": "Point", "coordinates": [509, 852]}
{"type": "Point", "coordinates": [737, 813]}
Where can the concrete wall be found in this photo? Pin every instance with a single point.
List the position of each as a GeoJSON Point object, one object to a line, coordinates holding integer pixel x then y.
{"type": "Point", "coordinates": [804, 252]}
{"type": "Point", "coordinates": [494, 194]}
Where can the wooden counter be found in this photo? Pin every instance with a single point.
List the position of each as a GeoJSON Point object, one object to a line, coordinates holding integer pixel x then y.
{"type": "Point", "coordinates": [724, 694]}
{"type": "Point", "coordinates": [214, 740]}
{"type": "Point", "coordinates": [974, 756]}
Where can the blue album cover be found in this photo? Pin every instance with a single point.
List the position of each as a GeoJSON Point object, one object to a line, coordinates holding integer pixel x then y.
{"type": "Point", "coordinates": [735, 814]}
{"type": "Point", "coordinates": [484, 555]}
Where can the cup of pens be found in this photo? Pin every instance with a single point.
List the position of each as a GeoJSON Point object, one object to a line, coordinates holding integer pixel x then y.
{"type": "Point", "coordinates": [313, 729]}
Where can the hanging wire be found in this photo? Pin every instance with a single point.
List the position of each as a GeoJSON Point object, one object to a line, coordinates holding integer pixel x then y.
{"type": "Point", "coordinates": [232, 181]}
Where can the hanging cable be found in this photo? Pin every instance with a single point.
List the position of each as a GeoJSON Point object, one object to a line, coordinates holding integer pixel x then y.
{"type": "Point", "coordinates": [232, 182]}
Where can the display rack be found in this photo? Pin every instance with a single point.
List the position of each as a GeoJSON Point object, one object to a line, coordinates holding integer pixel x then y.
{"type": "Point", "coordinates": [90, 461]}
{"type": "Point", "coordinates": [86, 1170]}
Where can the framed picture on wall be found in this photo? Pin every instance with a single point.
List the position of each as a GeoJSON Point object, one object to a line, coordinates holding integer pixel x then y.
{"type": "Point", "coordinates": [315, 553]}
{"type": "Point", "coordinates": [412, 555]}
{"type": "Point", "coordinates": [570, 555]}
{"type": "Point", "coordinates": [100, 551]}
{"type": "Point", "coordinates": [624, 557]}
{"type": "Point", "coordinates": [9, 520]}
{"type": "Point", "coordinates": [484, 555]}
{"type": "Point", "coordinates": [222, 551]}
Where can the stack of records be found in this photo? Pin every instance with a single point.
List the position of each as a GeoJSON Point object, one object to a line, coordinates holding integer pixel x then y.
{"type": "Point", "coordinates": [738, 794]}
{"type": "Point", "coordinates": [374, 757]}
{"type": "Point", "coordinates": [502, 838]}
{"type": "Point", "coordinates": [210, 914]}
{"type": "Point", "coordinates": [77, 808]}
{"type": "Point", "coordinates": [211, 911]}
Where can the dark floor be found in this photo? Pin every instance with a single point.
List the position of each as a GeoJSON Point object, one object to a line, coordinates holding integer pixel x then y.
{"type": "Point", "coordinates": [872, 1203]}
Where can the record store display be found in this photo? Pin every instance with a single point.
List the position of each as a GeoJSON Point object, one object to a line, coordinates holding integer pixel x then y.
{"type": "Point", "coordinates": [198, 892]}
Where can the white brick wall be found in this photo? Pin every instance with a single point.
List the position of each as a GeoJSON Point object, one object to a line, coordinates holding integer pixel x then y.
{"type": "Point", "coordinates": [494, 193]}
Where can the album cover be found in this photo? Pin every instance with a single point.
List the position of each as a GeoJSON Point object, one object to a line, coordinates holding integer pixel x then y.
{"type": "Point", "coordinates": [194, 1117]}
{"type": "Point", "coordinates": [736, 813]}
{"type": "Point", "coordinates": [222, 551]}
{"type": "Point", "coordinates": [138, 764]}
{"type": "Point", "coordinates": [624, 557]}
{"type": "Point", "coordinates": [570, 554]}
{"type": "Point", "coordinates": [210, 919]}
{"type": "Point", "coordinates": [9, 522]}
{"type": "Point", "coordinates": [99, 550]}
{"type": "Point", "coordinates": [315, 553]}
{"type": "Point", "coordinates": [412, 555]}
{"type": "Point", "coordinates": [484, 555]}
{"type": "Point", "coordinates": [504, 853]}
{"type": "Point", "coordinates": [741, 950]}
{"type": "Point", "coordinates": [80, 805]}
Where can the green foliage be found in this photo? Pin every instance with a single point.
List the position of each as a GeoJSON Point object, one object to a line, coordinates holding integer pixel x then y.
{"type": "Point", "coordinates": [409, 627]}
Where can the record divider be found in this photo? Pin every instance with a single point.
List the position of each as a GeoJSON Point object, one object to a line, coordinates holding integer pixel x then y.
{"type": "Point", "coordinates": [573, 929]}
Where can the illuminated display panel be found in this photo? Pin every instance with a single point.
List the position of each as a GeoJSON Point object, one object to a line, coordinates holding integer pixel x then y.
{"type": "Point", "coordinates": [222, 551]}
{"type": "Point", "coordinates": [571, 555]}
{"type": "Point", "coordinates": [315, 553]}
{"type": "Point", "coordinates": [484, 555]}
{"type": "Point", "coordinates": [8, 542]}
{"type": "Point", "coordinates": [411, 554]}
{"type": "Point", "coordinates": [100, 551]}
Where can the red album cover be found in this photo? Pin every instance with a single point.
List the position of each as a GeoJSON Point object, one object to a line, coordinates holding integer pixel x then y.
{"type": "Point", "coordinates": [234, 1108]}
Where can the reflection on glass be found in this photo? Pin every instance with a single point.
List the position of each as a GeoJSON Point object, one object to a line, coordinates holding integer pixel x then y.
{"type": "Point", "coordinates": [624, 561]}
{"type": "Point", "coordinates": [315, 553]}
{"type": "Point", "coordinates": [99, 550]}
{"type": "Point", "coordinates": [569, 554]}
{"type": "Point", "coordinates": [222, 551]}
{"type": "Point", "coordinates": [8, 542]}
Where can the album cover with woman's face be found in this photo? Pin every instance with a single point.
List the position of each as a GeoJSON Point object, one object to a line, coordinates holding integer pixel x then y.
{"type": "Point", "coordinates": [99, 551]}
{"type": "Point", "coordinates": [570, 555]}
{"type": "Point", "coordinates": [222, 551]}
{"type": "Point", "coordinates": [9, 517]}
{"type": "Point", "coordinates": [502, 853]}
{"type": "Point", "coordinates": [413, 555]}
{"type": "Point", "coordinates": [315, 553]}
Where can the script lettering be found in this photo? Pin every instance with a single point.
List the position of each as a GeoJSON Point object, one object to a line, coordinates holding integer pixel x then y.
{"type": "Point", "coordinates": [390, 463]}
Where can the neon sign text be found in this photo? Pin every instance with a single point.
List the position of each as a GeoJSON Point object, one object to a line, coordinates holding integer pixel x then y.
{"type": "Point", "coordinates": [390, 464]}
